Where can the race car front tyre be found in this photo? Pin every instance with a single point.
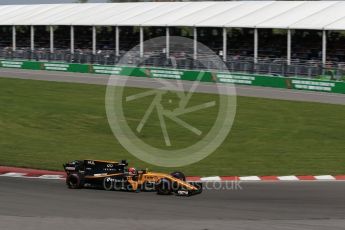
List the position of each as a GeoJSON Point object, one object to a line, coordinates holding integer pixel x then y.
{"type": "Point", "coordinates": [179, 175]}
{"type": "Point", "coordinates": [164, 187]}
{"type": "Point", "coordinates": [75, 181]}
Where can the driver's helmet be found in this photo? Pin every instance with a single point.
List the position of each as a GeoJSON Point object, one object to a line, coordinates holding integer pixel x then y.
{"type": "Point", "coordinates": [132, 171]}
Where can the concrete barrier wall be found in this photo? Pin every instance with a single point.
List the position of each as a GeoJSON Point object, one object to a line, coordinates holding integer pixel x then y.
{"type": "Point", "coordinates": [190, 75]}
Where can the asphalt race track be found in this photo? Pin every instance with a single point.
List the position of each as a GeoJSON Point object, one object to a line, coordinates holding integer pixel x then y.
{"type": "Point", "coordinates": [47, 204]}
{"type": "Point", "coordinates": [241, 90]}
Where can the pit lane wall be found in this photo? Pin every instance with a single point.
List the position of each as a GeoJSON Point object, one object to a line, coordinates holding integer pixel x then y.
{"type": "Point", "coordinates": [190, 75]}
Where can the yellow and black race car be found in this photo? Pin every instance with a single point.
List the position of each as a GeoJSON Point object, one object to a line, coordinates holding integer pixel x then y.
{"type": "Point", "coordinates": [111, 175]}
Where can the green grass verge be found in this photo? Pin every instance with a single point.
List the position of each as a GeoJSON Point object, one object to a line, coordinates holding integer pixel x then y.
{"type": "Point", "coordinates": [44, 124]}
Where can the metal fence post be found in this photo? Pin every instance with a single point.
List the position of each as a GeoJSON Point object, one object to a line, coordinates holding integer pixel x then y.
{"type": "Point", "coordinates": [94, 40]}
{"type": "Point", "coordinates": [167, 42]}
{"type": "Point", "coordinates": [51, 39]}
{"type": "Point", "coordinates": [195, 44]}
{"type": "Point", "coordinates": [72, 39]}
{"type": "Point", "coordinates": [141, 42]}
{"type": "Point", "coordinates": [256, 44]}
{"type": "Point", "coordinates": [14, 39]}
{"type": "Point", "coordinates": [225, 41]}
{"type": "Point", "coordinates": [289, 47]}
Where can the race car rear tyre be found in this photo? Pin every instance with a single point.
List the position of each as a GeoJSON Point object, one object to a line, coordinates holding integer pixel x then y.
{"type": "Point", "coordinates": [75, 181]}
{"type": "Point", "coordinates": [164, 187]}
{"type": "Point", "coordinates": [108, 184]}
{"type": "Point", "coordinates": [179, 175]}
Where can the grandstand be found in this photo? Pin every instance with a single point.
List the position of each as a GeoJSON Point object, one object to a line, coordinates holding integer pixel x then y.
{"type": "Point", "coordinates": [290, 38]}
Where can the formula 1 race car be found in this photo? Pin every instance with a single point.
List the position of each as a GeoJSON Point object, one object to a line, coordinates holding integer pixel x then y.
{"type": "Point", "coordinates": [111, 175]}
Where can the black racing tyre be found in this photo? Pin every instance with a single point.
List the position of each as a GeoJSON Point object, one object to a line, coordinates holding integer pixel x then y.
{"type": "Point", "coordinates": [108, 184]}
{"type": "Point", "coordinates": [164, 187]}
{"type": "Point", "coordinates": [75, 181]}
{"type": "Point", "coordinates": [179, 175]}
